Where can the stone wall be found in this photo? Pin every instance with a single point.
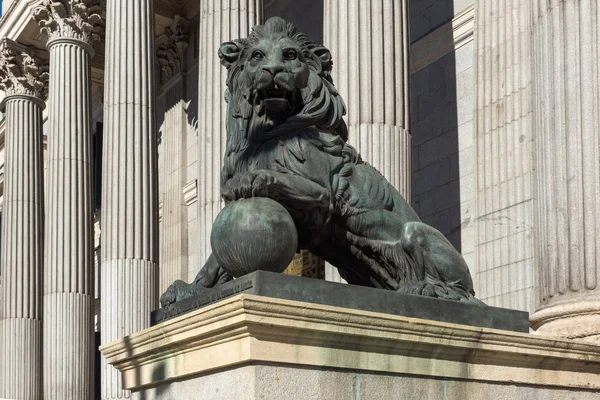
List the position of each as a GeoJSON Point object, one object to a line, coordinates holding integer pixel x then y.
{"type": "Point", "coordinates": [270, 381]}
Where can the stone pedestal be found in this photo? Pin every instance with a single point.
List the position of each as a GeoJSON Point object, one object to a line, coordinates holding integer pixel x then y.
{"type": "Point", "coordinates": [252, 347]}
{"type": "Point", "coordinates": [23, 77]}
{"type": "Point", "coordinates": [567, 162]}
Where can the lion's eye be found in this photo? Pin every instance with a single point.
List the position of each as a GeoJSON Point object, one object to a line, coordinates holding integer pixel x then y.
{"type": "Point", "coordinates": [290, 54]}
{"type": "Point", "coordinates": [257, 55]}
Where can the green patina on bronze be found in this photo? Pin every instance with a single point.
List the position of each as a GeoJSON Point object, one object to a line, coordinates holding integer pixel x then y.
{"type": "Point", "coordinates": [286, 140]}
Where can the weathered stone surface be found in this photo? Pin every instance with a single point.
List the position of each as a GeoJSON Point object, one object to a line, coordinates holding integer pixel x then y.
{"type": "Point", "coordinates": [275, 382]}
{"type": "Point", "coordinates": [286, 287]}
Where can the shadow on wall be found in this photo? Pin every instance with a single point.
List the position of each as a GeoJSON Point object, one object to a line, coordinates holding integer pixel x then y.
{"type": "Point", "coordinates": [434, 127]}
{"type": "Point", "coordinates": [307, 15]}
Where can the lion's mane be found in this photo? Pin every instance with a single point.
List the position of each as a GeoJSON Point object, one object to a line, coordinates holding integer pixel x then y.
{"type": "Point", "coordinates": [323, 108]}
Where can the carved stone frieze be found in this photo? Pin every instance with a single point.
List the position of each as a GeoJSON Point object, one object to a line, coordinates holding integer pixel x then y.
{"type": "Point", "coordinates": [171, 46]}
{"type": "Point", "coordinates": [23, 70]}
{"type": "Point", "coordinates": [76, 19]}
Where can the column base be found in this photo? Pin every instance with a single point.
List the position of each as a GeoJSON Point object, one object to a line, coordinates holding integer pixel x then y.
{"type": "Point", "coordinates": [255, 347]}
{"type": "Point", "coordinates": [572, 320]}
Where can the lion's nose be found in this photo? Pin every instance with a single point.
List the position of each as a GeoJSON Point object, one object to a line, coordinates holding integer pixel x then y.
{"type": "Point", "coordinates": [273, 69]}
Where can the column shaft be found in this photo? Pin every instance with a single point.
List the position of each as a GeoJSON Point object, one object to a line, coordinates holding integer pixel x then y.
{"type": "Point", "coordinates": [220, 20]}
{"type": "Point", "coordinates": [567, 151]}
{"type": "Point", "coordinates": [22, 255]}
{"type": "Point", "coordinates": [129, 241]}
{"type": "Point", "coordinates": [503, 120]}
{"type": "Point", "coordinates": [369, 44]}
{"type": "Point", "coordinates": [69, 267]}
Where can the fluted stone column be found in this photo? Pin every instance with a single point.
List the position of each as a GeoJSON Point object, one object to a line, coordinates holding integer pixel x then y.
{"type": "Point", "coordinates": [69, 241]}
{"type": "Point", "coordinates": [369, 43]}
{"type": "Point", "coordinates": [171, 47]}
{"type": "Point", "coordinates": [567, 150]}
{"type": "Point", "coordinates": [129, 241]}
{"type": "Point", "coordinates": [503, 134]}
{"type": "Point", "coordinates": [220, 20]}
{"type": "Point", "coordinates": [23, 78]}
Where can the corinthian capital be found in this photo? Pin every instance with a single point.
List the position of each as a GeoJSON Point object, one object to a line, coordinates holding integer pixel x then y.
{"type": "Point", "coordinates": [22, 70]}
{"type": "Point", "coordinates": [171, 46]}
{"type": "Point", "coordinates": [75, 19]}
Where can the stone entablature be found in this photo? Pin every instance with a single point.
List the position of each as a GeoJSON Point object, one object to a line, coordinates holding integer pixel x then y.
{"type": "Point", "coordinates": [74, 19]}
{"type": "Point", "coordinates": [23, 70]}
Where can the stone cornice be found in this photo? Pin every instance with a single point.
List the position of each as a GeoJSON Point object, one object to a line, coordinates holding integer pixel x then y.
{"type": "Point", "coordinates": [23, 70]}
{"type": "Point", "coordinates": [16, 18]}
{"type": "Point", "coordinates": [171, 46]}
{"type": "Point", "coordinates": [71, 19]}
{"type": "Point", "coordinates": [252, 329]}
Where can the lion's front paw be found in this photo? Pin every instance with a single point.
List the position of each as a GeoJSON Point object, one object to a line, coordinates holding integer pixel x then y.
{"type": "Point", "coordinates": [174, 293]}
{"type": "Point", "coordinates": [238, 187]}
{"type": "Point", "coordinates": [263, 184]}
{"type": "Point", "coordinates": [249, 184]}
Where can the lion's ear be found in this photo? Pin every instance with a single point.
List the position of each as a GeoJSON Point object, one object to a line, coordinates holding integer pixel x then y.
{"type": "Point", "coordinates": [324, 55]}
{"type": "Point", "coordinates": [229, 52]}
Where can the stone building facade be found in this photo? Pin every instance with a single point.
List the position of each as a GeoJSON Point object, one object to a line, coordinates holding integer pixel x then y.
{"type": "Point", "coordinates": [484, 114]}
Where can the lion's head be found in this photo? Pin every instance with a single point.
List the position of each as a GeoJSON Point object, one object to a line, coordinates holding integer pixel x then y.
{"type": "Point", "coordinates": [278, 83]}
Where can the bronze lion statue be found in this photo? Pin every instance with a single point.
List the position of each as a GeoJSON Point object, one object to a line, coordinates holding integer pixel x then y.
{"type": "Point", "coordinates": [286, 140]}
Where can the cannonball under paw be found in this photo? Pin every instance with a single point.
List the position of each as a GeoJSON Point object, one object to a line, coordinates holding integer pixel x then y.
{"type": "Point", "coordinates": [254, 234]}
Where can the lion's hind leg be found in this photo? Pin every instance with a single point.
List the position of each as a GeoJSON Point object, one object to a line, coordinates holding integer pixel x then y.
{"type": "Point", "coordinates": [443, 271]}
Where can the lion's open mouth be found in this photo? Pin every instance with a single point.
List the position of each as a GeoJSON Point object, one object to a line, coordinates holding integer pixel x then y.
{"type": "Point", "coordinates": [276, 99]}
{"type": "Point", "coordinates": [274, 93]}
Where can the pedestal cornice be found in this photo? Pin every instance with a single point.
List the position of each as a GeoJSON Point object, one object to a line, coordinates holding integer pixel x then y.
{"type": "Point", "coordinates": [253, 329]}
